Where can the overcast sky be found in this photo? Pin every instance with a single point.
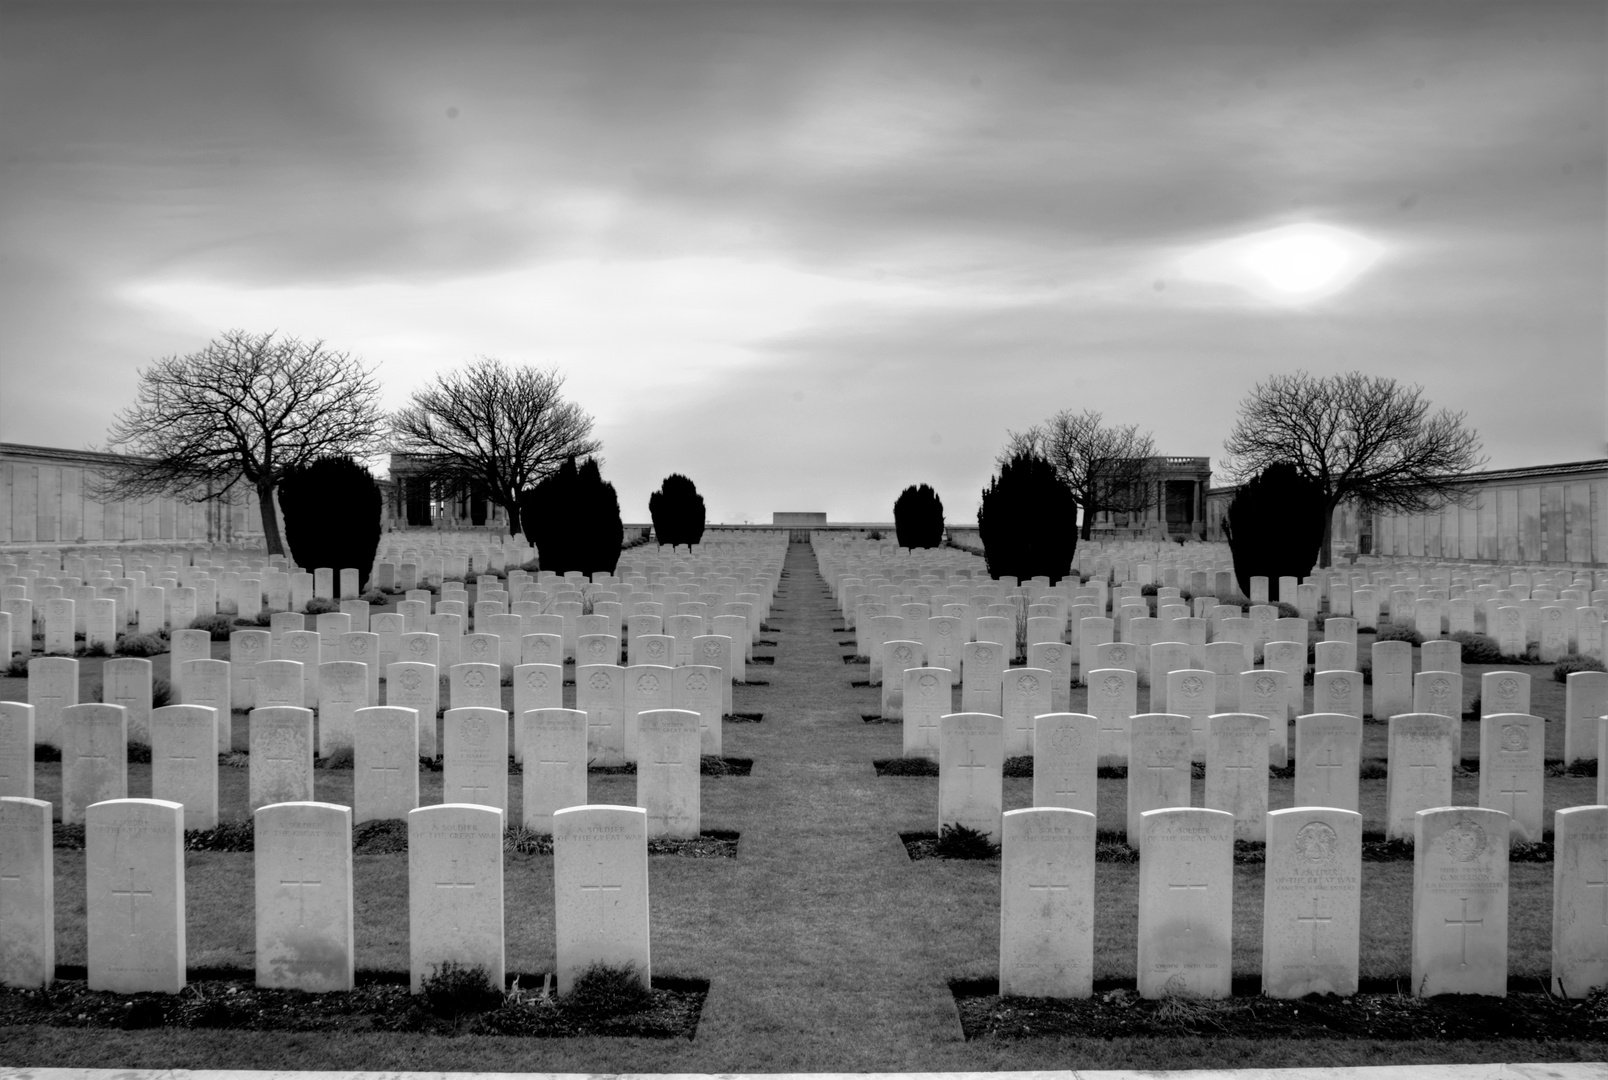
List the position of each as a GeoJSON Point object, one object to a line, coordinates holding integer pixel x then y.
{"type": "Point", "coordinates": [811, 253]}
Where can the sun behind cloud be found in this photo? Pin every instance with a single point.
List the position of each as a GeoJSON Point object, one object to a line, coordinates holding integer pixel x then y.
{"type": "Point", "coordinates": [1292, 264]}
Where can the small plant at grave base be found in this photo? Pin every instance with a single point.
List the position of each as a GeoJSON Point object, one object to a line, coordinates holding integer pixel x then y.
{"type": "Point", "coordinates": [319, 606]}
{"type": "Point", "coordinates": [17, 669]}
{"type": "Point", "coordinates": [452, 990]}
{"type": "Point", "coordinates": [374, 596]}
{"type": "Point", "coordinates": [1397, 632]}
{"type": "Point", "coordinates": [161, 693]}
{"type": "Point", "coordinates": [1575, 662]}
{"type": "Point", "coordinates": [604, 990]}
{"type": "Point", "coordinates": [960, 842]}
{"type": "Point", "coordinates": [918, 517]}
{"type": "Point", "coordinates": [520, 840]}
{"type": "Point", "coordinates": [1478, 648]}
{"type": "Point", "coordinates": [263, 618]}
{"type": "Point", "coordinates": [219, 627]}
{"type": "Point", "coordinates": [97, 649]}
{"type": "Point", "coordinates": [141, 645]}
{"type": "Point", "coordinates": [874, 534]}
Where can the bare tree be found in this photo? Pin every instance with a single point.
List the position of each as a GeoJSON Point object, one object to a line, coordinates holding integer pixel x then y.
{"type": "Point", "coordinates": [245, 409]}
{"type": "Point", "coordinates": [495, 426]}
{"type": "Point", "coordinates": [1363, 437]}
{"type": "Point", "coordinates": [1107, 467]}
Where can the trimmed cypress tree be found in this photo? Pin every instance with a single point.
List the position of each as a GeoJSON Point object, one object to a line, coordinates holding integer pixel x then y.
{"type": "Point", "coordinates": [918, 517]}
{"type": "Point", "coordinates": [1275, 525]}
{"type": "Point", "coordinates": [573, 519]}
{"type": "Point", "coordinates": [332, 516]}
{"type": "Point", "coordinates": [677, 511]}
{"type": "Point", "coordinates": [1028, 521]}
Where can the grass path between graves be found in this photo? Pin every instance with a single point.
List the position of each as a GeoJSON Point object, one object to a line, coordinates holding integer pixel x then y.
{"type": "Point", "coordinates": [826, 947]}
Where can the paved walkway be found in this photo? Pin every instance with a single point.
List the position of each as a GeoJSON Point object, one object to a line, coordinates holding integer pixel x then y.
{"type": "Point", "coordinates": [1580, 1071]}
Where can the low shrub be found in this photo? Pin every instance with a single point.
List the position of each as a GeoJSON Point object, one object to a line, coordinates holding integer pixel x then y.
{"type": "Point", "coordinates": [17, 669]}
{"type": "Point", "coordinates": [97, 649]}
{"type": "Point", "coordinates": [453, 989]}
{"type": "Point", "coordinates": [219, 626]}
{"type": "Point", "coordinates": [1397, 632]}
{"type": "Point", "coordinates": [1478, 648]}
{"type": "Point", "coordinates": [1575, 662]}
{"type": "Point", "coordinates": [161, 693]}
{"type": "Point", "coordinates": [607, 990]}
{"type": "Point", "coordinates": [141, 645]}
{"type": "Point", "coordinates": [264, 618]}
{"type": "Point", "coordinates": [959, 842]}
{"type": "Point", "coordinates": [319, 606]}
{"type": "Point", "coordinates": [374, 596]}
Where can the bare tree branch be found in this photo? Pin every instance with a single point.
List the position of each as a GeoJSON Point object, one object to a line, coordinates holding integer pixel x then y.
{"type": "Point", "coordinates": [1107, 467]}
{"type": "Point", "coordinates": [1363, 437]}
{"type": "Point", "coordinates": [247, 408]}
{"type": "Point", "coordinates": [495, 426]}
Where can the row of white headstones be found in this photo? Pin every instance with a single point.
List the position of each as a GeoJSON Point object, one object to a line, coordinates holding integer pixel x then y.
{"type": "Point", "coordinates": [1313, 882]}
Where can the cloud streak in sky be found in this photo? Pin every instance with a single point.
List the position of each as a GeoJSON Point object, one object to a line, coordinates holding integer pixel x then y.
{"type": "Point", "coordinates": [809, 254]}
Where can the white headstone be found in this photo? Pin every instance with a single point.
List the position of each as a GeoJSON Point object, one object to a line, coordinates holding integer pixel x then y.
{"type": "Point", "coordinates": [281, 756]}
{"type": "Point", "coordinates": [416, 687]}
{"type": "Point", "coordinates": [668, 771]}
{"type": "Point", "coordinates": [600, 891]}
{"type": "Point", "coordinates": [1460, 901]}
{"type": "Point", "coordinates": [1186, 884]}
{"type": "Point", "coordinates": [304, 896]}
{"type": "Point", "coordinates": [1328, 749]}
{"type": "Point", "coordinates": [1236, 771]}
{"type": "Point", "coordinates": [1025, 694]}
{"type": "Point", "coordinates": [1113, 699]}
{"type": "Point", "coordinates": [52, 687]}
{"type": "Point", "coordinates": [134, 870]}
{"type": "Point", "coordinates": [94, 757]}
{"type": "Point", "coordinates": [1419, 768]}
{"type": "Point", "coordinates": [455, 889]}
{"type": "Point", "coordinates": [1159, 772]}
{"type": "Point", "coordinates": [28, 877]}
{"type": "Point", "coordinates": [1513, 771]}
{"type": "Point", "coordinates": [1312, 900]}
{"type": "Point", "coordinates": [474, 757]}
{"type": "Point", "coordinates": [1065, 753]}
{"type": "Point", "coordinates": [206, 683]}
{"type": "Point", "coordinates": [16, 750]}
{"type": "Point", "coordinates": [385, 763]}
{"type": "Point", "coordinates": [247, 648]}
{"type": "Point", "coordinates": [696, 687]}
{"type": "Point", "coordinates": [1579, 900]}
{"type": "Point", "coordinates": [1392, 678]}
{"type": "Point", "coordinates": [184, 761]}
{"type": "Point", "coordinates": [555, 764]}
{"type": "Point", "coordinates": [1504, 692]}
{"type": "Point", "coordinates": [971, 760]}
{"type": "Point", "coordinates": [1046, 906]}
{"type": "Point", "coordinates": [600, 693]}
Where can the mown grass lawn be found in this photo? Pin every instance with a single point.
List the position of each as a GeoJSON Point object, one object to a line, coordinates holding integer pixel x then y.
{"type": "Point", "coordinates": [825, 946]}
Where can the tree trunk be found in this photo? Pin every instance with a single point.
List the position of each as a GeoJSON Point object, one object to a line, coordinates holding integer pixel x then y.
{"type": "Point", "coordinates": [1326, 552]}
{"type": "Point", "coordinates": [511, 511]}
{"type": "Point", "coordinates": [270, 519]}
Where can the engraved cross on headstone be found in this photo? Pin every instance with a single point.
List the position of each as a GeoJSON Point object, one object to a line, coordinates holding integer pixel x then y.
{"type": "Point", "coordinates": [1326, 765]}
{"type": "Point", "coordinates": [1463, 924]}
{"type": "Point", "coordinates": [600, 892]}
{"type": "Point", "coordinates": [131, 892]}
{"type": "Point", "coordinates": [1187, 886]}
{"type": "Point", "coordinates": [1315, 919]}
{"type": "Point", "coordinates": [301, 883]}
{"type": "Point", "coordinates": [971, 763]}
{"type": "Point", "coordinates": [452, 883]}
{"type": "Point", "coordinates": [1602, 884]}
{"type": "Point", "coordinates": [1157, 768]}
{"type": "Point", "coordinates": [1513, 791]}
{"type": "Point", "coordinates": [1419, 778]}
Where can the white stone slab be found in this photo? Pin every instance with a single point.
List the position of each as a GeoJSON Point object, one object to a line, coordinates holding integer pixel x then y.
{"type": "Point", "coordinates": [134, 871]}
{"type": "Point", "coordinates": [247, 648]}
{"type": "Point", "coordinates": [52, 687]}
{"type": "Point", "coordinates": [281, 756]}
{"type": "Point", "coordinates": [536, 686]}
{"type": "Point", "coordinates": [207, 683]}
{"type": "Point", "coordinates": [1460, 901]}
{"type": "Point", "coordinates": [1328, 749]}
{"type": "Point", "coordinates": [417, 687]}
{"type": "Point", "coordinates": [600, 891]}
{"type": "Point", "coordinates": [1065, 756]}
{"type": "Point", "coordinates": [1236, 771]}
{"type": "Point", "coordinates": [971, 759]}
{"type": "Point", "coordinates": [28, 879]}
{"type": "Point", "coordinates": [1186, 892]}
{"type": "Point", "coordinates": [16, 750]}
{"type": "Point", "coordinates": [1159, 770]}
{"type": "Point", "coordinates": [474, 757]}
{"type": "Point", "coordinates": [1579, 900]}
{"type": "Point", "coordinates": [1513, 771]}
{"type": "Point", "coordinates": [555, 764]}
{"type": "Point", "coordinates": [668, 772]}
{"type": "Point", "coordinates": [94, 757]}
{"type": "Point", "coordinates": [303, 869]}
{"type": "Point", "coordinates": [600, 693]}
{"type": "Point", "coordinates": [1192, 692]}
{"type": "Point", "coordinates": [697, 687]}
{"type": "Point", "coordinates": [455, 889]}
{"type": "Point", "coordinates": [385, 763]}
{"type": "Point", "coordinates": [1113, 699]}
{"type": "Point", "coordinates": [1312, 901]}
{"type": "Point", "coordinates": [184, 761]}
{"type": "Point", "coordinates": [1392, 679]}
{"type": "Point", "coordinates": [1046, 907]}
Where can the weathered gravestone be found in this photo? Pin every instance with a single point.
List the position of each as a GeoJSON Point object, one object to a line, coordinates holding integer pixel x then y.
{"type": "Point", "coordinates": [1056, 658]}
{"type": "Point", "coordinates": [134, 881]}
{"type": "Point", "coordinates": [1193, 693]}
{"type": "Point", "coordinates": [1337, 692]}
{"type": "Point", "coordinates": [647, 687]}
{"type": "Point", "coordinates": [1513, 771]}
{"type": "Point", "coordinates": [971, 760]}
{"type": "Point", "coordinates": [1328, 751]}
{"type": "Point", "coordinates": [898, 656]}
{"type": "Point", "coordinates": [697, 688]}
{"type": "Point", "coordinates": [600, 891]}
{"type": "Point", "coordinates": [385, 763]}
{"type": "Point", "coordinates": [247, 648]}
{"type": "Point", "coordinates": [475, 685]}
{"type": "Point", "coordinates": [1585, 699]}
{"type": "Point", "coordinates": [1186, 883]}
{"type": "Point", "coordinates": [1236, 771]}
{"type": "Point", "coordinates": [52, 687]}
{"type": "Point", "coordinates": [1504, 692]}
{"type": "Point", "coordinates": [1419, 775]}
{"type": "Point", "coordinates": [207, 683]}
{"type": "Point", "coordinates": [536, 686]}
{"type": "Point", "coordinates": [303, 868]}
{"type": "Point", "coordinates": [28, 877]}
{"type": "Point", "coordinates": [455, 889]}
{"type": "Point", "coordinates": [1460, 901]}
{"type": "Point", "coordinates": [474, 757]}
{"type": "Point", "coordinates": [1579, 900]}
{"type": "Point", "coordinates": [1046, 905]}
{"type": "Point", "coordinates": [94, 757]}
{"type": "Point", "coordinates": [281, 756]}
{"type": "Point", "coordinates": [1064, 760]}
{"type": "Point", "coordinates": [416, 687]}
{"type": "Point", "coordinates": [16, 750]}
{"type": "Point", "coordinates": [279, 683]}
{"type": "Point", "coordinates": [1025, 694]}
{"type": "Point", "coordinates": [1392, 678]}
{"type": "Point", "coordinates": [184, 761]}
{"type": "Point", "coordinates": [1266, 693]}
{"type": "Point", "coordinates": [668, 772]}
{"type": "Point", "coordinates": [555, 764]}
{"type": "Point", "coordinates": [1312, 901]}
{"type": "Point", "coordinates": [600, 693]}
{"type": "Point", "coordinates": [1113, 699]}
{"type": "Point", "coordinates": [1159, 776]}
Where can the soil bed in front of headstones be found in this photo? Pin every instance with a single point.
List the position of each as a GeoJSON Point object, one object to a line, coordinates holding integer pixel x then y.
{"type": "Point", "coordinates": [379, 1003]}
{"type": "Point", "coordinates": [708, 844]}
{"type": "Point", "coordinates": [744, 717]}
{"type": "Point", "coordinates": [1380, 1012]}
{"type": "Point", "coordinates": [708, 765]}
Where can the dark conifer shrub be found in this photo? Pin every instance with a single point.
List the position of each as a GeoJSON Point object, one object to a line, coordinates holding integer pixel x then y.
{"type": "Point", "coordinates": [332, 516]}
{"type": "Point", "coordinates": [1275, 526]}
{"type": "Point", "coordinates": [677, 511]}
{"type": "Point", "coordinates": [573, 519]}
{"type": "Point", "coordinates": [1028, 521]}
{"type": "Point", "coordinates": [918, 517]}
